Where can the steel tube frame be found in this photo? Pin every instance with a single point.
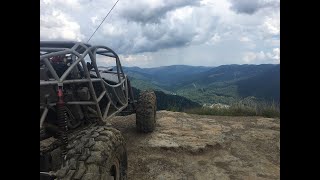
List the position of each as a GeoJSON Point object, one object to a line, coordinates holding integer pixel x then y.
{"type": "Point", "coordinates": [43, 83]}
{"type": "Point", "coordinates": [81, 50]}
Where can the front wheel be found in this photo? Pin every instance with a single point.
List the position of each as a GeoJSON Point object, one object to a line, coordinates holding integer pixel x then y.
{"type": "Point", "coordinates": [146, 111]}
{"type": "Point", "coordinates": [98, 153]}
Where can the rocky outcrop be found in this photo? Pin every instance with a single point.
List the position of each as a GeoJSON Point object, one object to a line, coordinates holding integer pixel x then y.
{"type": "Point", "coordinates": [187, 146]}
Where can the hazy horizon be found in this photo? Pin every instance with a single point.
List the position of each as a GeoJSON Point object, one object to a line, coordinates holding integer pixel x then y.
{"type": "Point", "coordinates": [198, 66]}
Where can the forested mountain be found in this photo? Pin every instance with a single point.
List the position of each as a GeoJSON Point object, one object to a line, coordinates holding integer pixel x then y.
{"type": "Point", "coordinates": [222, 84]}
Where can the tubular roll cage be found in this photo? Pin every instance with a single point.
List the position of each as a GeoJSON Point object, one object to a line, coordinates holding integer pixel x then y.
{"type": "Point", "coordinates": [78, 52]}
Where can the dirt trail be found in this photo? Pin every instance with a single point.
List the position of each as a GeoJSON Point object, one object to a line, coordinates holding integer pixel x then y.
{"type": "Point", "coordinates": [188, 147]}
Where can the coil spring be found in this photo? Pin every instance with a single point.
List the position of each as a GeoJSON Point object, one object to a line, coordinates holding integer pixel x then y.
{"type": "Point", "coordinates": [62, 123]}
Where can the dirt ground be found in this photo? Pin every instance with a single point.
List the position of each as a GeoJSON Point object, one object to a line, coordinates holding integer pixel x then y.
{"type": "Point", "coordinates": [194, 147]}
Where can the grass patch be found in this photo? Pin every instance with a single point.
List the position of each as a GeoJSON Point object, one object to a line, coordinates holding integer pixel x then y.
{"type": "Point", "coordinates": [241, 109]}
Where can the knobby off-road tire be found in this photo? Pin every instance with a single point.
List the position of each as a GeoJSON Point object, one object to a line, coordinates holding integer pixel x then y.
{"type": "Point", "coordinates": [146, 111]}
{"type": "Point", "coordinates": [98, 153]}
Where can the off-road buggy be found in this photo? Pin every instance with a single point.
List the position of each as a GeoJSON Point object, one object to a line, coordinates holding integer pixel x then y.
{"type": "Point", "coordinates": [77, 100]}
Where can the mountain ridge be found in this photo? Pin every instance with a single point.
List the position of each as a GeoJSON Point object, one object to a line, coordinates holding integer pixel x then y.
{"type": "Point", "coordinates": [221, 84]}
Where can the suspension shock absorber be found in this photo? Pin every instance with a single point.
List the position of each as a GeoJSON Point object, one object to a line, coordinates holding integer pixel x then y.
{"type": "Point", "coordinates": [62, 123]}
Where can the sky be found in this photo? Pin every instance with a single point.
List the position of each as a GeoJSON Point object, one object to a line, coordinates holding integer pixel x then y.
{"type": "Point", "coordinates": [152, 33]}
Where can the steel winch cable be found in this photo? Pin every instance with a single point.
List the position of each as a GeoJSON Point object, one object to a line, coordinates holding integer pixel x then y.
{"type": "Point", "coordinates": [102, 21]}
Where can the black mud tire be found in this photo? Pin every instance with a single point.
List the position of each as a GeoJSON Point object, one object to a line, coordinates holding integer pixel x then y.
{"type": "Point", "coordinates": [97, 153]}
{"type": "Point", "coordinates": [146, 112]}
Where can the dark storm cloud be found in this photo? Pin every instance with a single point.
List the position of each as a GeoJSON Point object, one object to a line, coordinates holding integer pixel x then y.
{"type": "Point", "coordinates": [164, 42]}
{"type": "Point", "coordinates": [176, 29]}
{"type": "Point", "coordinates": [142, 12]}
{"type": "Point", "coordinates": [161, 36]}
{"type": "Point", "coordinates": [252, 6]}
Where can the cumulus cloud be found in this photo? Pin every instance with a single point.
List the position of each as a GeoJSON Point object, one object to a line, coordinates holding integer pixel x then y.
{"type": "Point", "coordinates": [151, 11]}
{"type": "Point", "coordinates": [275, 55]}
{"type": "Point", "coordinates": [252, 6]}
{"type": "Point", "coordinates": [244, 39]}
{"type": "Point", "coordinates": [272, 57]}
{"type": "Point", "coordinates": [163, 32]}
{"type": "Point", "coordinates": [214, 39]}
{"type": "Point", "coordinates": [252, 56]}
{"type": "Point", "coordinates": [58, 25]}
{"type": "Point", "coordinates": [179, 27]}
{"type": "Point", "coordinates": [141, 60]}
{"type": "Point", "coordinates": [272, 25]}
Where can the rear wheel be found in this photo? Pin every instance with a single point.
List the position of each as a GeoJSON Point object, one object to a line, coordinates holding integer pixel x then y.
{"type": "Point", "coordinates": [98, 153]}
{"type": "Point", "coordinates": [146, 111]}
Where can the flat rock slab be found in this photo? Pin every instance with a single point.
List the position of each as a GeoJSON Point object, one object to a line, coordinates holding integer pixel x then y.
{"type": "Point", "coordinates": [186, 146]}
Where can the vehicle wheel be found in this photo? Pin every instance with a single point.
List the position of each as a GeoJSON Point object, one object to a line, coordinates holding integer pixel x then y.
{"type": "Point", "coordinates": [97, 153]}
{"type": "Point", "coordinates": [146, 111]}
